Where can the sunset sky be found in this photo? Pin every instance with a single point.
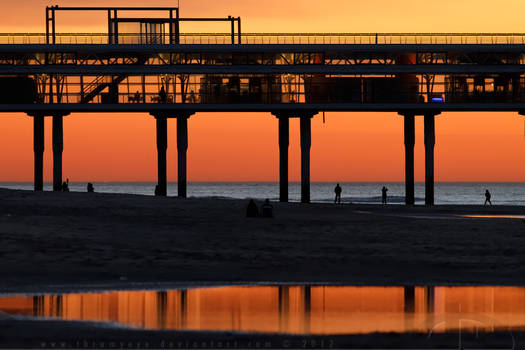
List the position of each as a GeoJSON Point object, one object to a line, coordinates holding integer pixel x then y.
{"type": "Point", "coordinates": [243, 146]}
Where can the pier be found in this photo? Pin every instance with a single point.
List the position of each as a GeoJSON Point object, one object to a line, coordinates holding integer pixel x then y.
{"type": "Point", "coordinates": [145, 64]}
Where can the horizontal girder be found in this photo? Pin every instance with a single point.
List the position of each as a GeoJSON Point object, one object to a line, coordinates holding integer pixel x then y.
{"type": "Point", "coordinates": [415, 108]}
{"type": "Point", "coordinates": [261, 69]}
{"type": "Point", "coordinates": [256, 48]}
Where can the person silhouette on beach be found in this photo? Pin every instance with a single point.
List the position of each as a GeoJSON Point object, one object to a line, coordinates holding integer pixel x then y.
{"type": "Point", "coordinates": [487, 197]}
{"type": "Point", "coordinates": [65, 186]}
{"type": "Point", "coordinates": [267, 209]}
{"type": "Point", "coordinates": [252, 211]}
{"type": "Point", "coordinates": [338, 191]}
{"type": "Point", "coordinates": [384, 190]}
{"type": "Point", "coordinates": [90, 188]}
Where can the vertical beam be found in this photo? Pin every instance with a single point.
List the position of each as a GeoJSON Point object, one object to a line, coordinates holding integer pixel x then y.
{"type": "Point", "coordinates": [232, 22]}
{"type": "Point", "coordinates": [47, 25]}
{"type": "Point", "coordinates": [177, 28]}
{"type": "Point", "coordinates": [171, 27]}
{"type": "Point", "coordinates": [239, 30]}
{"type": "Point", "coordinates": [306, 142]}
{"type": "Point", "coordinates": [115, 26]}
{"type": "Point", "coordinates": [38, 147]}
{"type": "Point", "coordinates": [110, 28]}
{"type": "Point", "coordinates": [284, 144]}
{"type": "Point", "coordinates": [182, 149]}
{"type": "Point", "coordinates": [58, 148]}
{"type": "Point", "coordinates": [53, 26]}
{"type": "Point", "coordinates": [162, 147]}
{"type": "Point", "coordinates": [430, 140]}
{"type": "Point", "coordinates": [409, 158]}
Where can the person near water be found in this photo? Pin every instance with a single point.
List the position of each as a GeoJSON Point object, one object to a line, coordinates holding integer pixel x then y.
{"type": "Point", "coordinates": [384, 190]}
{"type": "Point", "coordinates": [267, 209]}
{"type": "Point", "coordinates": [487, 197]}
{"type": "Point", "coordinates": [90, 187]}
{"type": "Point", "coordinates": [252, 211]}
{"type": "Point", "coordinates": [65, 186]}
{"type": "Point", "coordinates": [338, 191]}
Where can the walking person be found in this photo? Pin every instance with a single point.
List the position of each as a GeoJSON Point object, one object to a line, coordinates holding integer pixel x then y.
{"type": "Point", "coordinates": [384, 190]}
{"type": "Point", "coordinates": [487, 197]}
{"type": "Point", "coordinates": [338, 191]}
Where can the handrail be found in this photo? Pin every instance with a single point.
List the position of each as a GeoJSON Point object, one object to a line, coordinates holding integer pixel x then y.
{"type": "Point", "coordinates": [277, 38]}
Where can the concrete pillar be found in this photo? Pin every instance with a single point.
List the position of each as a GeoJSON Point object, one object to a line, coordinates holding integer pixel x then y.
{"type": "Point", "coordinates": [306, 142]}
{"type": "Point", "coordinates": [284, 144]}
{"type": "Point", "coordinates": [162, 147]}
{"type": "Point", "coordinates": [182, 149]}
{"type": "Point", "coordinates": [409, 158]}
{"type": "Point", "coordinates": [58, 148]}
{"type": "Point", "coordinates": [430, 140]}
{"type": "Point", "coordinates": [38, 147]}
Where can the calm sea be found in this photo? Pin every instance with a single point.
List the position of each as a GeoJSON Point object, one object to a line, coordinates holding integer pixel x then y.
{"type": "Point", "coordinates": [354, 192]}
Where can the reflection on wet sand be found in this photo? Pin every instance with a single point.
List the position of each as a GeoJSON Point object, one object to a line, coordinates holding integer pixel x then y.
{"type": "Point", "coordinates": [292, 309]}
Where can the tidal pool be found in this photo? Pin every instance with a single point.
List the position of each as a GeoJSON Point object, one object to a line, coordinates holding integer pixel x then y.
{"type": "Point", "coordinates": [312, 310]}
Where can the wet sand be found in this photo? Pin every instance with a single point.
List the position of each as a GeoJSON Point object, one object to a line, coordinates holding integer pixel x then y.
{"type": "Point", "coordinates": [57, 334]}
{"type": "Point", "coordinates": [59, 242]}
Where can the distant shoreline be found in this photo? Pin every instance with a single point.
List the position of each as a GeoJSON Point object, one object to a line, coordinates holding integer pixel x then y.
{"type": "Point", "coordinates": [321, 192]}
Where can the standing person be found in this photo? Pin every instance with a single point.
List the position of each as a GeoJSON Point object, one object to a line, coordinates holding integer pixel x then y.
{"type": "Point", "coordinates": [267, 209]}
{"type": "Point", "coordinates": [338, 191]}
{"type": "Point", "coordinates": [163, 97]}
{"type": "Point", "coordinates": [65, 186]}
{"type": "Point", "coordinates": [487, 197]}
{"type": "Point", "coordinates": [251, 210]}
{"type": "Point", "coordinates": [384, 190]}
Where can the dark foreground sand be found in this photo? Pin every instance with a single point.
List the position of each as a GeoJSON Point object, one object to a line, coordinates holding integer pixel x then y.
{"type": "Point", "coordinates": [68, 241]}
{"type": "Point", "coordinates": [56, 334]}
{"type": "Point", "coordinates": [79, 238]}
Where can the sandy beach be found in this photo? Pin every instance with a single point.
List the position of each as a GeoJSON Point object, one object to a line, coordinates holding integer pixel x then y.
{"type": "Point", "coordinates": [71, 239]}
{"type": "Point", "coordinates": [62, 242]}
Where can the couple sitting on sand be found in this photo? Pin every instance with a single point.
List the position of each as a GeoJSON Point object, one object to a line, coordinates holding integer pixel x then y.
{"type": "Point", "coordinates": [266, 209]}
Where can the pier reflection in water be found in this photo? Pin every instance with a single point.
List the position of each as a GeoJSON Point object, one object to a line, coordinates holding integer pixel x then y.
{"type": "Point", "coordinates": [291, 309]}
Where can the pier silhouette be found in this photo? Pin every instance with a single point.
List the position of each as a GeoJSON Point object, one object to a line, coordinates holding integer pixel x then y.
{"type": "Point", "coordinates": [145, 64]}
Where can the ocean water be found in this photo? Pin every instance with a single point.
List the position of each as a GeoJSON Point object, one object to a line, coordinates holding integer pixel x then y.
{"type": "Point", "coordinates": [353, 192]}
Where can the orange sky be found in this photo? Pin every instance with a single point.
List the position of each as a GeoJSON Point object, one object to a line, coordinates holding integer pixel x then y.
{"type": "Point", "coordinates": [243, 146]}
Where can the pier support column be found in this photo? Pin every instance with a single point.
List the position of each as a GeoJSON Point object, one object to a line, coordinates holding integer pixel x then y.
{"type": "Point", "coordinates": [430, 140]}
{"type": "Point", "coordinates": [182, 149]}
{"type": "Point", "coordinates": [284, 144]}
{"type": "Point", "coordinates": [409, 158]}
{"type": "Point", "coordinates": [38, 148]}
{"type": "Point", "coordinates": [58, 148]}
{"type": "Point", "coordinates": [306, 143]}
{"type": "Point", "coordinates": [162, 147]}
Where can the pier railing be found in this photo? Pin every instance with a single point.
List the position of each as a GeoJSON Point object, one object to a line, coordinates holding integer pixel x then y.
{"type": "Point", "coordinates": [279, 38]}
